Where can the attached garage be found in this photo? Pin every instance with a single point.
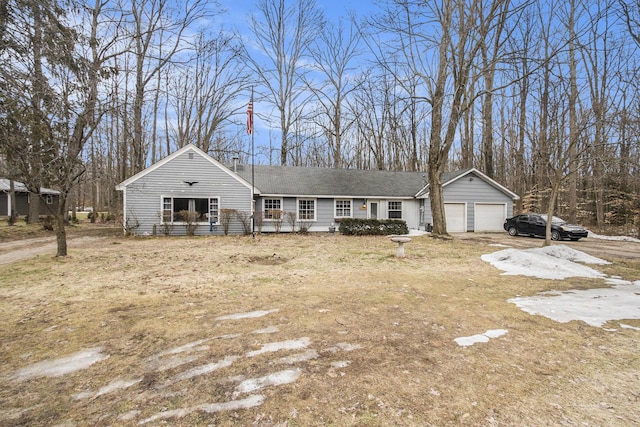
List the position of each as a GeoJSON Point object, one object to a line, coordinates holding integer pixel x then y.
{"type": "Point", "coordinates": [455, 217]}
{"type": "Point", "coordinates": [472, 202]}
{"type": "Point", "coordinates": [490, 216]}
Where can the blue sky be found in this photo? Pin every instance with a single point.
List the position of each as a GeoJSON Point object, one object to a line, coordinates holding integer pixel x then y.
{"type": "Point", "coordinates": [333, 9]}
{"type": "Point", "coordinates": [236, 18]}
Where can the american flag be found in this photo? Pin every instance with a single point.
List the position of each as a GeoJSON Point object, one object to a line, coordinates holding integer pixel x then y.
{"type": "Point", "coordinates": [250, 117]}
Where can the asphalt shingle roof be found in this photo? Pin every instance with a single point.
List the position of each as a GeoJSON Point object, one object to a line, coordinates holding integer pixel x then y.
{"type": "Point", "coordinates": [299, 181]}
{"type": "Point", "coordinates": [21, 188]}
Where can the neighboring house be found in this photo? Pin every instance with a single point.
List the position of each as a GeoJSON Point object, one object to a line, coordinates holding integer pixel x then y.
{"type": "Point", "coordinates": [48, 199]}
{"type": "Point", "coordinates": [318, 198]}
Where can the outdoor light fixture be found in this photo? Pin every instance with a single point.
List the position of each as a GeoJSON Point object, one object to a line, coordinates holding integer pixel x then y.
{"type": "Point", "coordinates": [364, 204]}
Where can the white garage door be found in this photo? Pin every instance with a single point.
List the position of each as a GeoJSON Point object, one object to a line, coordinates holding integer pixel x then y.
{"type": "Point", "coordinates": [489, 217]}
{"type": "Point", "coordinates": [454, 212]}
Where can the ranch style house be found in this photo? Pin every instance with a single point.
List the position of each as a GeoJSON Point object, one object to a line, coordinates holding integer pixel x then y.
{"type": "Point", "coordinates": [189, 180]}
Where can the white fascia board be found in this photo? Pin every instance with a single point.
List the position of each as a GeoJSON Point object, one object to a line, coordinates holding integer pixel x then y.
{"type": "Point", "coordinates": [333, 196]}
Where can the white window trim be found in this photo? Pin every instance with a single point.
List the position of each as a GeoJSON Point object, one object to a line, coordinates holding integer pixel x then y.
{"type": "Point", "coordinates": [264, 210]}
{"type": "Point", "coordinates": [395, 210]}
{"type": "Point", "coordinates": [162, 221]}
{"type": "Point", "coordinates": [335, 208]}
{"type": "Point", "coordinates": [315, 208]}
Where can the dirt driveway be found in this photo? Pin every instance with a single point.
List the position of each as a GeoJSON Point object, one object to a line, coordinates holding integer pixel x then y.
{"type": "Point", "coordinates": [600, 248]}
{"type": "Point", "coordinates": [19, 250]}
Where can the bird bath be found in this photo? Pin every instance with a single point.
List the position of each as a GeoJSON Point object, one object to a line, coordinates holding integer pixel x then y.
{"type": "Point", "coordinates": [400, 240]}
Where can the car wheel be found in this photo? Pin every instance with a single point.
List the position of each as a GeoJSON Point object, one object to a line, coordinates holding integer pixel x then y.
{"type": "Point", "coordinates": [512, 231]}
{"type": "Point", "coordinates": [555, 235]}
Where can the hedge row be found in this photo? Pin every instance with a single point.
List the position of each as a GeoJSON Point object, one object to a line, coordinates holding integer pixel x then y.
{"type": "Point", "coordinates": [372, 227]}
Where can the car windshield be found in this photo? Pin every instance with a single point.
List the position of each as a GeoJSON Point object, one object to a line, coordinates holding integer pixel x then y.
{"type": "Point", "coordinates": [554, 219]}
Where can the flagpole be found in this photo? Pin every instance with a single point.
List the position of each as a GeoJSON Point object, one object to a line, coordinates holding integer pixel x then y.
{"type": "Point", "coordinates": [253, 176]}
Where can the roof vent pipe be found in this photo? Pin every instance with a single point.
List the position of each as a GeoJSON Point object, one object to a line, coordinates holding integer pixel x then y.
{"type": "Point", "coordinates": [235, 164]}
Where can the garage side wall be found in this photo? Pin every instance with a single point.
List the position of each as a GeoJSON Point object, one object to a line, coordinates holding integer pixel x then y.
{"type": "Point", "coordinates": [144, 196]}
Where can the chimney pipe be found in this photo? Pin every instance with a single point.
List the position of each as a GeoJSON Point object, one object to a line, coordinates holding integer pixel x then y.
{"type": "Point", "coordinates": [235, 164]}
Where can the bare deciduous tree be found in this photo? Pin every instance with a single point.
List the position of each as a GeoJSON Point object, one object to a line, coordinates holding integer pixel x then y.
{"type": "Point", "coordinates": [333, 56]}
{"type": "Point", "coordinates": [283, 33]}
{"type": "Point", "coordinates": [157, 32]}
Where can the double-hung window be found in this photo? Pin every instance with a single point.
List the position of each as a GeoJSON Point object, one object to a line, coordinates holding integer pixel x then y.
{"type": "Point", "coordinates": [394, 210]}
{"type": "Point", "coordinates": [272, 209]}
{"type": "Point", "coordinates": [343, 208]}
{"type": "Point", "coordinates": [177, 209]}
{"type": "Point", "coordinates": [306, 210]}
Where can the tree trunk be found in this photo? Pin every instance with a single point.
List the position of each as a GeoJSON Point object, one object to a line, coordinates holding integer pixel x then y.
{"type": "Point", "coordinates": [522, 132]}
{"type": "Point", "coordinates": [553, 198]}
{"type": "Point", "coordinates": [61, 233]}
{"type": "Point", "coordinates": [34, 208]}
{"type": "Point", "coordinates": [13, 215]}
{"type": "Point", "coordinates": [437, 203]}
{"type": "Point", "coordinates": [487, 122]}
{"type": "Point", "coordinates": [573, 120]}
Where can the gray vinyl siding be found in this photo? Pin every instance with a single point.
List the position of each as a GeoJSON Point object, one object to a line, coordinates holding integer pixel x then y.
{"type": "Point", "coordinates": [22, 204]}
{"type": "Point", "coordinates": [144, 196]}
{"type": "Point", "coordinates": [325, 212]}
{"type": "Point", "coordinates": [470, 192]}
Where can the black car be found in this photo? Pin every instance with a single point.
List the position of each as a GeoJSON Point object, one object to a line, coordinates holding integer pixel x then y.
{"type": "Point", "coordinates": [535, 225]}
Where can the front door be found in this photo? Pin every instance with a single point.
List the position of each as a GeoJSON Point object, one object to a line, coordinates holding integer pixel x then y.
{"type": "Point", "coordinates": [373, 210]}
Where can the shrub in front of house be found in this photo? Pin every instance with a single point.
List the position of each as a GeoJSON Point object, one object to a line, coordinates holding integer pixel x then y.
{"type": "Point", "coordinates": [372, 227]}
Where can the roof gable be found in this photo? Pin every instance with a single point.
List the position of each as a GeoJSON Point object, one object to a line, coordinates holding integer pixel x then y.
{"type": "Point", "coordinates": [175, 154]}
{"type": "Point", "coordinates": [451, 177]}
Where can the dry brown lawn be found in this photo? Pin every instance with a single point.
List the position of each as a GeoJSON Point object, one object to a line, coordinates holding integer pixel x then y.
{"type": "Point", "coordinates": [359, 338]}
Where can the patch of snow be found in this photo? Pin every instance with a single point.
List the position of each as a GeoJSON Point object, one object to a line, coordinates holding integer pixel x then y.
{"type": "Point", "coordinates": [282, 345]}
{"type": "Point", "coordinates": [249, 402]}
{"type": "Point", "coordinates": [129, 416]}
{"type": "Point", "coordinates": [171, 362]}
{"type": "Point", "coordinates": [268, 330]}
{"type": "Point", "coordinates": [16, 413]}
{"type": "Point", "coordinates": [300, 357]}
{"type": "Point", "coordinates": [114, 385]}
{"type": "Point", "coordinates": [499, 245]}
{"type": "Point", "coordinates": [593, 306]}
{"type": "Point", "coordinates": [227, 337]}
{"type": "Point", "coordinates": [345, 346]}
{"type": "Point", "coordinates": [568, 253]}
{"type": "Point", "coordinates": [340, 364]}
{"type": "Point", "coordinates": [551, 262]}
{"type": "Point", "coordinates": [192, 346]}
{"type": "Point", "coordinates": [623, 326]}
{"type": "Point", "coordinates": [479, 338]}
{"type": "Point", "coordinates": [249, 315]}
{"type": "Point", "coordinates": [593, 235]}
{"type": "Point", "coordinates": [618, 281]}
{"type": "Point", "coordinates": [276, 378]}
{"type": "Point", "coordinates": [495, 333]}
{"type": "Point", "coordinates": [205, 369]}
{"type": "Point", "coordinates": [468, 341]}
{"type": "Point", "coordinates": [62, 366]}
